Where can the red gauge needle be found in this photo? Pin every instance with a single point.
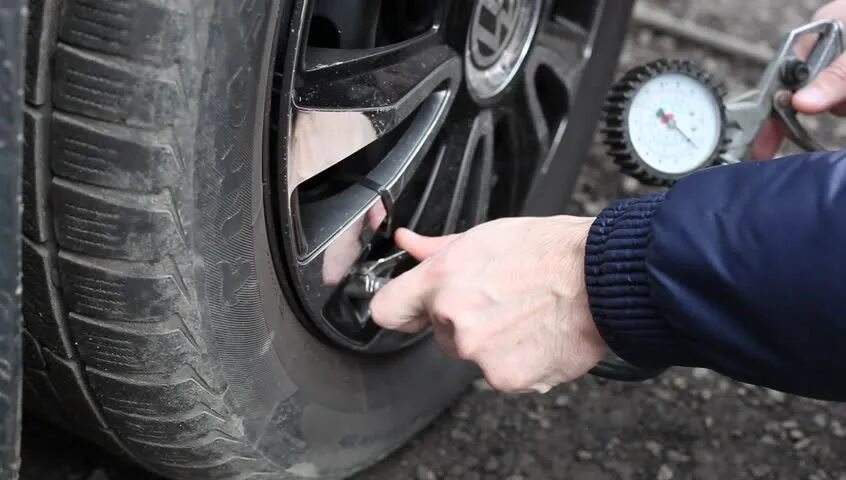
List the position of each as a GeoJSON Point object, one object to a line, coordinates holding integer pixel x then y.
{"type": "Point", "coordinates": [669, 120]}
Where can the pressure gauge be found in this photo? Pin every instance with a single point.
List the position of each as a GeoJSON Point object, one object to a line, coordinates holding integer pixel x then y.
{"type": "Point", "coordinates": [665, 120]}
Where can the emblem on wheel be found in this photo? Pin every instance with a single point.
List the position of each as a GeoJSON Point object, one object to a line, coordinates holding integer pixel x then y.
{"type": "Point", "coordinates": [492, 28]}
{"type": "Point", "coordinates": [500, 35]}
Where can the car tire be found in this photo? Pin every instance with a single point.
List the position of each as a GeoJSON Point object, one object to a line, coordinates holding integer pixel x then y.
{"type": "Point", "coordinates": [12, 28]}
{"type": "Point", "coordinates": [155, 320]}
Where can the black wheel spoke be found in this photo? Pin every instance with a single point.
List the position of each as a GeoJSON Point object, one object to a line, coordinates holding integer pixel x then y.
{"type": "Point", "coordinates": [528, 119]}
{"type": "Point", "coordinates": [457, 194]}
{"type": "Point", "coordinates": [470, 198]}
{"type": "Point", "coordinates": [354, 98]}
{"type": "Point", "coordinates": [356, 217]}
{"type": "Point", "coordinates": [564, 47]}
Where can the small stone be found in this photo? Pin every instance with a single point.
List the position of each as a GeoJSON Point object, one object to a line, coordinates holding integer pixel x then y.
{"type": "Point", "coordinates": [664, 473]}
{"type": "Point", "coordinates": [456, 471]}
{"type": "Point", "coordinates": [654, 448]}
{"type": "Point", "coordinates": [425, 473]}
{"type": "Point", "coordinates": [676, 456]}
{"type": "Point", "coordinates": [491, 465]}
{"type": "Point", "coordinates": [630, 185]}
{"type": "Point", "coordinates": [544, 423]}
{"type": "Point", "coordinates": [796, 434]}
{"type": "Point", "coordinates": [515, 477]}
{"type": "Point", "coordinates": [701, 373]}
{"type": "Point", "coordinates": [776, 396]}
{"type": "Point", "coordinates": [802, 444]}
{"type": "Point", "coordinates": [742, 391]}
{"type": "Point", "coordinates": [680, 383]}
{"type": "Point", "coordinates": [460, 435]}
{"type": "Point", "coordinates": [562, 400]}
{"type": "Point", "coordinates": [837, 429]}
{"type": "Point", "coordinates": [760, 471]}
{"type": "Point", "coordinates": [768, 439]}
{"type": "Point", "coordinates": [664, 395]}
{"type": "Point", "coordinates": [624, 470]}
{"type": "Point", "coordinates": [820, 420]}
{"type": "Point", "coordinates": [709, 422]}
{"type": "Point", "coordinates": [789, 424]}
{"type": "Point", "coordinates": [584, 455]}
{"type": "Point", "coordinates": [706, 394]}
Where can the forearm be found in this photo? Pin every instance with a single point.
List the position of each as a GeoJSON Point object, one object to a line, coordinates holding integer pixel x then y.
{"type": "Point", "coordinates": [739, 269]}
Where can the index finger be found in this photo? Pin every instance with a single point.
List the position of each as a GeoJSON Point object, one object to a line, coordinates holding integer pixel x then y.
{"type": "Point", "coordinates": [400, 304]}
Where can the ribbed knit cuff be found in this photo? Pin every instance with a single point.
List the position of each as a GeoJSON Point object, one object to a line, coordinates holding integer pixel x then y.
{"type": "Point", "coordinates": [618, 290]}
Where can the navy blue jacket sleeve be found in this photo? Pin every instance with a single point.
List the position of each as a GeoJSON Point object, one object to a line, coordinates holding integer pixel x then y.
{"type": "Point", "coordinates": [740, 269]}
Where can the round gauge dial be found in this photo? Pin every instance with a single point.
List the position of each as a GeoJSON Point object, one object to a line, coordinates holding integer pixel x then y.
{"type": "Point", "coordinates": [665, 120]}
{"type": "Point", "coordinates": [674, 123]}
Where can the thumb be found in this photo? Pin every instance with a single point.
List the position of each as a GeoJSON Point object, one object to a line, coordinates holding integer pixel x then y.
{"type": "Point", "coordinates": [828, 90]}
{"type": "Point", "coordinates": [419, 246]}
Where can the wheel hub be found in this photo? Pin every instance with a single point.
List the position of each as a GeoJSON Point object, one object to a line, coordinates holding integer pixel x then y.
{"type": "Point", "coordinates": [498, 40]}
{"type": "Point", "coordinates": [431, 115]}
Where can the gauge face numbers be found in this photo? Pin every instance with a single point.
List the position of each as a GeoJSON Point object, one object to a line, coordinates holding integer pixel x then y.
{"type": "Point", "coordinates": [674, 123]}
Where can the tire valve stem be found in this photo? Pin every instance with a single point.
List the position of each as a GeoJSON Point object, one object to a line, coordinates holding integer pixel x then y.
{"type": "Point", "coordinates": [369, 277]}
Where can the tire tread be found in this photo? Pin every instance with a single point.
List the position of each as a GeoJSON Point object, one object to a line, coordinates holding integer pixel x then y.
{"type": "Point", "coordinates": [112, 338]}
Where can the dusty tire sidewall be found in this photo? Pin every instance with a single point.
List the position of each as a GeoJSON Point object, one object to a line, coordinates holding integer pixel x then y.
{"type": "Point", "coordinates": [309, 407]}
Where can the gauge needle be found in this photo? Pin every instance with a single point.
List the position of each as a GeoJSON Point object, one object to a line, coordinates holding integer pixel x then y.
{"type": "Point", "coordinates": [669, 120]}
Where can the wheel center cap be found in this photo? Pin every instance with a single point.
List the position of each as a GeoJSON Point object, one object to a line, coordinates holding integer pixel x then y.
{"type": "Point", "coordinates": [492, 30]}
{"type": "Point", "coordinates": [501, 32]}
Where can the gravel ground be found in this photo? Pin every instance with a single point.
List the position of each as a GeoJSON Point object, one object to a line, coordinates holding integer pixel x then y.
{"type": "Point", "coordinates": [690, 423]}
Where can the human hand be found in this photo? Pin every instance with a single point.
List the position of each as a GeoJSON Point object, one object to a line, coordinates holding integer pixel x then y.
{"type": "Point", "coordinates": [508, 295]}
{"type": "Point", "coordinates": [826, 93]}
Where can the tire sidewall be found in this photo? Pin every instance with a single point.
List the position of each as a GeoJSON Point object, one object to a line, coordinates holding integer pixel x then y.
{"type": "Point", "coordinates": [311, 408]}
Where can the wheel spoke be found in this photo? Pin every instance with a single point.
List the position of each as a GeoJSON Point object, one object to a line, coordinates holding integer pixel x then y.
{"type": "Point", "coordinates": [566, 43]}
{"type": "Point", "coordinates": [551, 74]}
{"type": "Point", "coordinates": [351, 98]}
{"type": "Point", "coordinates": [530, 123]}
{"type": "Point", "coordinates": [357, 215]}
{"type": "Point", "coordinates": [458, 191]}
{"type": "Point", "coordinates": [469, 202]}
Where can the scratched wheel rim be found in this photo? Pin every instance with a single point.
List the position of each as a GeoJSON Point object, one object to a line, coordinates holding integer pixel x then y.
{"type": "Point", "coordinates": [375, 126]}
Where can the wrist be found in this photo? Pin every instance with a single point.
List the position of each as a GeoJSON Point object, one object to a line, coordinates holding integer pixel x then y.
{"type": "Point", "coordinates": [590, 347]}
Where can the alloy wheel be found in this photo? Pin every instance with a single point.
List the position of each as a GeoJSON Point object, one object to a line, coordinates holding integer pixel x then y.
{"type": "Point", "coordinates": [436, 115]}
